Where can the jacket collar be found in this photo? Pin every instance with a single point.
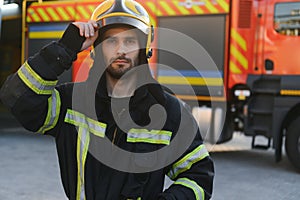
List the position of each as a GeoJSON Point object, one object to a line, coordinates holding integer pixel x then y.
{"type": "Point", "coordinates": [153, 89]}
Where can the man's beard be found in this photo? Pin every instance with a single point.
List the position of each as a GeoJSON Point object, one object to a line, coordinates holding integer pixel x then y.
{"type": "Point", "coordinates": [119, 72]}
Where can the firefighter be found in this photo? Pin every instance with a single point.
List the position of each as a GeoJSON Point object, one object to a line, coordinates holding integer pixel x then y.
{"type": "Point", "coordinates": [106, 127]}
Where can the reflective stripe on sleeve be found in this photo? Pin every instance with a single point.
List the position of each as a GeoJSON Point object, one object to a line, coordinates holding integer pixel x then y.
{"type": "Point", "coordinates": [187, 161]}
{"type": "Point", "coordinates": [34, 81]}
{"type": "Point", "coordinates": [54, 104]}
{"type": "Point", "coordinates": [153, 136]}
{"type": "Point", "coordinates": [198, 191]}
{"type": "Point", "coordinates": [80, 120]}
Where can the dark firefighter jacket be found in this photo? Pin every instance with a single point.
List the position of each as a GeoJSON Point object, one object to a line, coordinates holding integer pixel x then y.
{"type": "Point", "coordinates": [82, 117]}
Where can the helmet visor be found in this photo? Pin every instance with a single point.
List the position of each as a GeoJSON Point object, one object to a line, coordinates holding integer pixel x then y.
{"type": "Point", "coordinates": [124, 20]}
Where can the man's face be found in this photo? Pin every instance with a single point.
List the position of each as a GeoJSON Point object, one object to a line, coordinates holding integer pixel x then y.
{"type": "Point", "coordinates": [120, 50]}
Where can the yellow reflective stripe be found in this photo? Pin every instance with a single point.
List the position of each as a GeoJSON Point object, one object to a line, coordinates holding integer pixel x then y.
{"type": "Point", "coordinates": [52, 13]}
{"type": "Point", "coordinates": [211, 7]}
{"type": "Point", "coordinates": [86, 126]}
{"type": "Point", "coordinates": [239, 56]}
{"type": "Point", "coordinates": [179, 80]}
{"type": "Point", "coordinates": [152, 141]}
{"type": "Point", "coordinates": [234, 68]}
{"type": "Point", "coordinates": [79, 119]}
{"type": "Point", "coordinates": [167, 8]}
{"type": "Point", "coordinates": [79, 182]}
{"type": "Point", "coordinates": [239, 39]}
{"type": "Point", "coordinates": [34, 81]}
{"type": "Point", "coordinates": [197, 10]}
{"type": "Point", "coordinates": [187, 161]}
{"type": "Point", "coordinates": [153, 136]}
{"type": "Point", "coordinates": [33, 14]}
{"type": "Point", "coordinates": [290, 92]}
{"type": "Point", "coordinates": [83, 141]}
{"type": "Point", "coordinates": [76, 118]}
{"type": "Point", "coordinates": [198, 191]}
{"type": "Point", "coordinates": [182, 10]}
{"type": "Point", "coordinates": [54, 104]}
{"type": "Point", "coordinates": [224, 5]}
{"type": "Point", "coordinates": [62, 13]}
{"type": "Point", "coordinates": [83, 12]}
{"type": "Point", "coordinates": [43, 14]}
{"type": "Point", "coordinates": [71, 10]}
{"type": "Point", "coordinates": [152, 7]}
{"type": "Point", "coordinates": [154, 132]}
{"type": "Point", "coordinates": [45, 34]}
{"type": "Point", "coordinates": [94, 127]}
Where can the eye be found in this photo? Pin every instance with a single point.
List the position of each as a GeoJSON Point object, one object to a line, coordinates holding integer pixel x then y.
{"type": "Point", "coordinates": [111, 40]}
{"type": "Point", "coordinates": [131, 41]}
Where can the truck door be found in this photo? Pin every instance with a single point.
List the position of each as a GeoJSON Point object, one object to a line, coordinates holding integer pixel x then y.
{"type": "Point", "coordinates": [209, 32]}
{"type": "Point", "coordinates": [193, 66]}
{"type": "Point", "coordinates": [282, 38]}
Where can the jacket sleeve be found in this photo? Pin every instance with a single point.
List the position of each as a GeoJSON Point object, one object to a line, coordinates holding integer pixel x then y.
{"type": "Point", "coordinates": [193, 172]}
{"type": "Point", "coordinates": [30, 93]}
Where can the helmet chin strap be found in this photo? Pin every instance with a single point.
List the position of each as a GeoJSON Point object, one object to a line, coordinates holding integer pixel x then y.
{"type": "Point", "coordinates": [150, 51]}
{"type": "Point", "coordinates": [152, 33]}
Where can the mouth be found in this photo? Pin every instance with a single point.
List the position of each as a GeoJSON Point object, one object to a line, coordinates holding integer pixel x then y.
{"type": "Point", "coordinates": [121, 61]}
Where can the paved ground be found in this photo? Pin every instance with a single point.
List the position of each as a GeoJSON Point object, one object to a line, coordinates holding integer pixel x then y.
{"type": "Point", "coordinates": [29, 169]}
{"type": "Point", "coordinates": [28, 164]}
{"type": "Point", "coordinates": [253, 174]}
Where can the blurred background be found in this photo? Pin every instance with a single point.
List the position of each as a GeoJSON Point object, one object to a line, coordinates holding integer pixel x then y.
{"type": "Point", "coordinates": [247, 97]}
{"type": "Point", "coordinates": [10, 37]}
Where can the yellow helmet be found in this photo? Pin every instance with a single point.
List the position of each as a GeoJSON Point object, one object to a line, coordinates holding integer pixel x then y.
{"type": "Point", "coordinates": [127, 12]}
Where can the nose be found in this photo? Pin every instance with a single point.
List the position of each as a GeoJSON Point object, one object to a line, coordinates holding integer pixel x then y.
{"type": "Point", "coordinates": [122, 49]}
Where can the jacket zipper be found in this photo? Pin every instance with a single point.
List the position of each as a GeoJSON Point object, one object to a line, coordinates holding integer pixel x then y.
{"type": "Point", "coordinates": [116, 129]}
{"type": "Point", "coordinates": [114, 135]}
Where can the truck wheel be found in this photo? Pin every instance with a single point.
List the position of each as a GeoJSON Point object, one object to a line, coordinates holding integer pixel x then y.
{"type": "Point", "coordinates": [292, 143]}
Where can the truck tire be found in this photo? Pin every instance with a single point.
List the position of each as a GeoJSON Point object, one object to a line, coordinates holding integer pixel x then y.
{"type": "Point", "coordinates": [292, 143]}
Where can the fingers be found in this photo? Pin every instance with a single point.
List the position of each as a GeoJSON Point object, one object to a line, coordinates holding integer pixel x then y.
{"type": "Point", "coordinates": [93, 26]}
{"type": "Point", "coordinates": [87, 29]}
{"type": "Point", "coordinates": [81, 27]}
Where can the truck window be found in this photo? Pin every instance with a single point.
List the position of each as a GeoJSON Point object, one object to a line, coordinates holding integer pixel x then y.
{"type": "Point", "coordinates": [287, 18]}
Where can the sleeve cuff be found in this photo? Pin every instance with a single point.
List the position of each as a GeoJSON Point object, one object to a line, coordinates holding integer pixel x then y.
{"type": "Point", "coordinates": [72, 39]}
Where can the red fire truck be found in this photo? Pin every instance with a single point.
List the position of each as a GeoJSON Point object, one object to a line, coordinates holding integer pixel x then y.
{"type": "Point", "coordinates": [253, 85]}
